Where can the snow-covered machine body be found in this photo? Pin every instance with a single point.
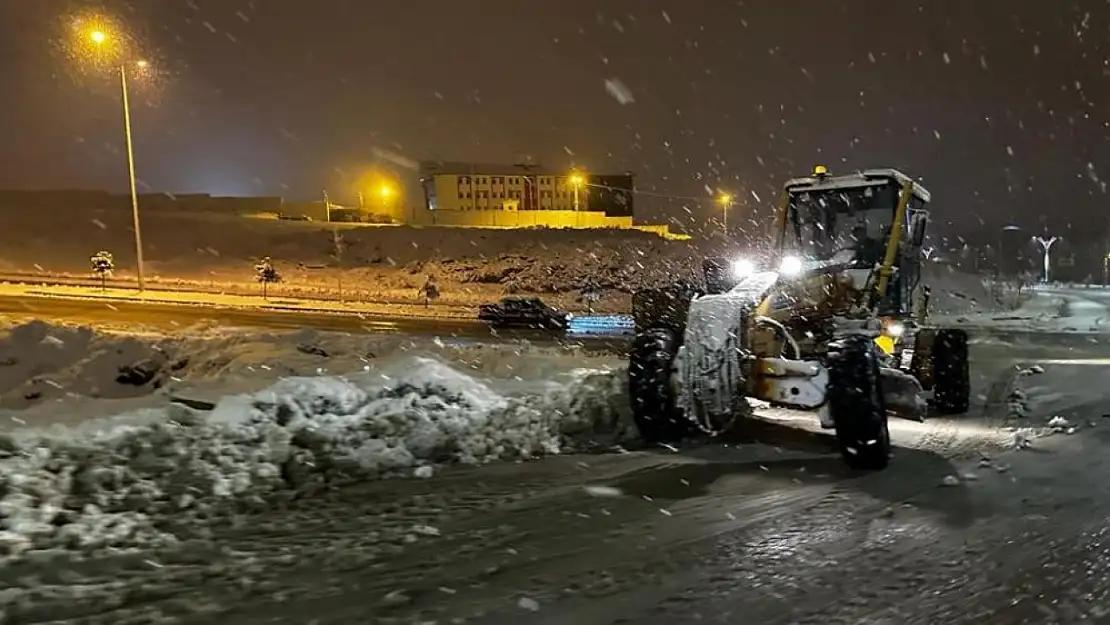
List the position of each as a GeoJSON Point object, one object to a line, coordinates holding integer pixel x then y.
{"type": "Point", "coordinates": [833, 321]}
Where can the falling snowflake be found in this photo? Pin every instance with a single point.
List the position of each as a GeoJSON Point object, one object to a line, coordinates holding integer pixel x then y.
{"type": "Point", "coordinates": [620, 92]}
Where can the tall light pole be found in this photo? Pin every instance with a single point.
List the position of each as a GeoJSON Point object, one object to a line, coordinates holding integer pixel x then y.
{"type": "Point", "coordinates": [1001, 252]}
{"type": "Point", "coordinates": [99, 39]}
{"type": "Point", "coordinates": [385, 192]}
{"type": "Point", "coordinates": [725, 200]}
{"type": "Point", "coordinates": [1046, 245]}
{"type": "Point", "coordinates": [577, 181]}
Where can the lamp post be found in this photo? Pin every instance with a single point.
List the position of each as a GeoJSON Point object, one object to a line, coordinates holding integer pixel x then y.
{"type": "Point", "coordinates": [577, 181]}
{"type": "Point", "coordinates": [725, 201]}
{"type": "Point", "coordinates": [385, 192]}
{"type": "Point", "coordinates": [1046, 245]}
{"type": "Point", "coordinates": [99, 38]}
{"type": "Point", "coordinates": [1001, 252]}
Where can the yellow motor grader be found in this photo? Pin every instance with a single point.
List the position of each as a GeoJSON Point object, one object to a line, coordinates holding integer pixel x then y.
{"type": "Point", "coordinates": [834, 320]}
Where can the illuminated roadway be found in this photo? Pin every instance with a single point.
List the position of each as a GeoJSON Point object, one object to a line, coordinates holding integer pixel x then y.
{"type": "Point", "coordinates": [161, 316]}
{"type": "Point", "coordinates": [724, 535]}
{"type": "Point", "coordinates": [171, 316]}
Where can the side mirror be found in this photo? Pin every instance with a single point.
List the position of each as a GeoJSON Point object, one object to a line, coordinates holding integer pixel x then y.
{"type": "Point", "coordinates": [918, 226]}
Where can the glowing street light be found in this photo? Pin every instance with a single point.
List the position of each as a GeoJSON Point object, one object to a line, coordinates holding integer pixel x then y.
{"type": "Point", "coordinates": [725, 200]}
{"type": "Point", "coordinates": [386, 192]}
{"type": "Point", "coordinates": [100, 40]}
{"type": "Point", "coordinates": [577, 181]}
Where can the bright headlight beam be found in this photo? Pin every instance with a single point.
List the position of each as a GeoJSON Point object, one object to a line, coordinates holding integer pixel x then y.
{"type": "Point", "coordinates": [790, 266]}
{"type": "Point", "coordinates": [742, 268]}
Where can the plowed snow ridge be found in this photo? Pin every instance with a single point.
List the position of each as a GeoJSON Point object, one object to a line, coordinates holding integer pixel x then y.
{"type": "Point", "coordinates": [121, 484]}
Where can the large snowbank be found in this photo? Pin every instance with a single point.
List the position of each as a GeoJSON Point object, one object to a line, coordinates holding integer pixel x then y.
{"type": "Point", "coordinates": [958, 293]}
{"type": "Point", "coordinates": [44, 363]}
{"type": "Point", "coordinates": [139, 480]}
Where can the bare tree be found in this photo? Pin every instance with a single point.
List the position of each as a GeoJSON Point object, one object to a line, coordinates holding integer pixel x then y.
{"type": "Point", "coordinates": [590, 294]}
{"type": "Point", "coordinates": [267, 274]}
{"type": "Point", "coordinates": [430, 291]}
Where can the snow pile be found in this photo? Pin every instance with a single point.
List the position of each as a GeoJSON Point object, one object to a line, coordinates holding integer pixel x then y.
{"type": "Point", "coordinates": [140, 484]}
{"type": "Point", "coordinates": [44, 366]}
{"type": "Point", "coordinates": [1017, 404]}
{"type": "Point", "coordinates": [958, 293]}
{"type": "Point", "coordinates": [39, 361]}
{"type": "Point", "coordinates": [902, 394]}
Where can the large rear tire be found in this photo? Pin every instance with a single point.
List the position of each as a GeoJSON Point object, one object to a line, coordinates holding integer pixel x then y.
{"type": "Point", "coordinates": [951, 372]}
{"type": "Point", "coordinates": [650, 368]}
{"type": "Point", "coordinates": [856, 405]}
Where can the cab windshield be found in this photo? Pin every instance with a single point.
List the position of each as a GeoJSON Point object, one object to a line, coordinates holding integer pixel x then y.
{"type": "Point", "coordinates": [823, 223]}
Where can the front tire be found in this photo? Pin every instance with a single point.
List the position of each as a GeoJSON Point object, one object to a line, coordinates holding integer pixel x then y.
{"type": "Point", "coordinates": [650, 367]}
{"type": "Point", "coordinates": [951, 372]}
{"type": "Point", "coordinates": [856, 405]}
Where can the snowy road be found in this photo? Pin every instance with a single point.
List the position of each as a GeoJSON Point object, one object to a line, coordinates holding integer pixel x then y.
{"type": "Point", "coordinates": [737, 533]}
{"type": "Point", "coordinates": [169, 317]}
{"type": "Point", "coordinates": [1049, 310]}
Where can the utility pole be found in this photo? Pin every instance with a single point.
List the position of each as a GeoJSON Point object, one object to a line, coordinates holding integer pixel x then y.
{"type": "Point", "coordinates": [131, 179]}
{"type": "Point", "coordinates": [726, 203]}
{"type": "Point", "coordinates": [1000, 253]}
{"type": "Point", "coordinates": [101, 39]}
{"type": "Point", "coordinates": [1046, 245]}
{"type": "Point", "coordinates": [337, 243]}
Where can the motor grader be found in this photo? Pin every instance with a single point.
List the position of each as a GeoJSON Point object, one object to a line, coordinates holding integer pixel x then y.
{"type": "Point", "coordinates": [833, 320]}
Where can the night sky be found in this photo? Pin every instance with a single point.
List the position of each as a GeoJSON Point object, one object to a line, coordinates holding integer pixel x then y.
{"type": "Point", "coordinates": [1001, 108]}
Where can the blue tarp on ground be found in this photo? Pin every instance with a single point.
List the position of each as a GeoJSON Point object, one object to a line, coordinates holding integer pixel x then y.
{"type": "Point", "coordinates": [601, 325]}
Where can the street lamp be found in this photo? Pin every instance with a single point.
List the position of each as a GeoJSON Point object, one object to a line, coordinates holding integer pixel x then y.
{"type": "Point", "coordinates": [577, 181]}
{"type": "Point", "coordinates": [100, 38]}
{"type": "Point", "coordinates": [386, 192]}
{"type": "Point", "coordinates": [1001, 251]}
{"type": "Point", "coordinates": [1046, 245]}
{"type": "Point", "coordinates": [725, 200]}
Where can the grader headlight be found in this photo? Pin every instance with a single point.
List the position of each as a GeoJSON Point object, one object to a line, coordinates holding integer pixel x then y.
{"type": "Point", "coordinates": [791, 266]}
{"type": "Point", "coordinates": [742, 268]}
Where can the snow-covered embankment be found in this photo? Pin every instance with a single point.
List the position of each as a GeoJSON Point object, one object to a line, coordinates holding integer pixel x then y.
{"type": "Point", "coordinates": [137, 480]}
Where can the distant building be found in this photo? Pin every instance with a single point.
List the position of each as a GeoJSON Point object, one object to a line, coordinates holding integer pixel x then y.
{"type": "Point", "coordinates": [490, 187]}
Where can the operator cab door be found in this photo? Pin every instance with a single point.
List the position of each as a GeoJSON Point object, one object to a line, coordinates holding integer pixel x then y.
{"type": "Point", "coordinates": [898, 300]}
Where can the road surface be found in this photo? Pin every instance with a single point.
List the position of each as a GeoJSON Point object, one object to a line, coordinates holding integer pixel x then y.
{"type": "Point", "coordinates": [159, 316]}
{"type": "Point", "coordinates": [170, 316]}
{"type": "Point", "coordinates": [714, 533]}
{"type": "Point", "coordinates": [736, 532]}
